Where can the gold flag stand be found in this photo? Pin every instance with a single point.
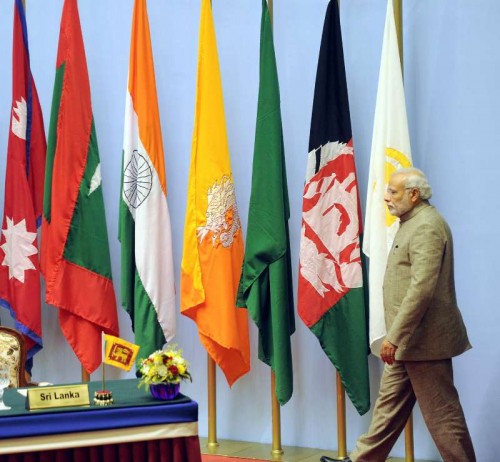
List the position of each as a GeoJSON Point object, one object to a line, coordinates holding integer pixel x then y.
{"type": "Point", "coordinates": [212, 442]}
{"type": "Point", "coordinates": [103, 377]}
{"type": "Point", "coordinates": [398, 19]}
{"type": "Point", "coordinates": [341, 421]}
{"type": "Point", "coordinates": [276, 450]}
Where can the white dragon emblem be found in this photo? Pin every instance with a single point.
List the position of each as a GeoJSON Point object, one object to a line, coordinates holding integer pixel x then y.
{"type": "Point", "coordinates": [222, 216]}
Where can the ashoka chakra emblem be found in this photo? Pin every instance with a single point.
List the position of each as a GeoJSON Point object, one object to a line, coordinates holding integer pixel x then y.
{"type": "Point", "coordinates": [137, 180]}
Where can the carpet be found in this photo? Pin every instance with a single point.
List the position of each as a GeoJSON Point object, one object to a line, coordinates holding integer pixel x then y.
{"type": "Point", "coordinates": [215, 458]}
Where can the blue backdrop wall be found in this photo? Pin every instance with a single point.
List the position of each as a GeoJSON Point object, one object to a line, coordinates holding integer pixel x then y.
{"type": "Point", "coordinates": [452, 70]}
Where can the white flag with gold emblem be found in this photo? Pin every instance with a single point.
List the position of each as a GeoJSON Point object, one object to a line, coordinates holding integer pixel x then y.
{"type": "Point", "coordinates": [390, 151]}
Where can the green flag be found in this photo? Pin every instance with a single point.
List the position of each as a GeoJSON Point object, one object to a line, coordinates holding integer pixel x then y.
{"type": "Point", "coordinates": [266, 282]}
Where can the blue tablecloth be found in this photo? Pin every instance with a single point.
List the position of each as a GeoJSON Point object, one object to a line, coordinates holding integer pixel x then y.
{"type": "Point", "coordinates": [133, 407]}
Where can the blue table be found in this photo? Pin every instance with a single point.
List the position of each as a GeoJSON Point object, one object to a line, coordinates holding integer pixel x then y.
{"type": "Point", "coordinates": [137, 427]}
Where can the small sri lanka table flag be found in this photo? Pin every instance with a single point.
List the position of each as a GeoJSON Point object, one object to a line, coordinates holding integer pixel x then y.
{"type": "Point", "coordinates": [118, 352]}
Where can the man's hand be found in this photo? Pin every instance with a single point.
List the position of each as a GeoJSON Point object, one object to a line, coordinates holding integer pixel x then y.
{"type": "Point", "coordinates": [388, 352]}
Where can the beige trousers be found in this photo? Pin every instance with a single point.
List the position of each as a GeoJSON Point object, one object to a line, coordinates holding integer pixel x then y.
{"type": "Point", "coordinates": [431, 384]}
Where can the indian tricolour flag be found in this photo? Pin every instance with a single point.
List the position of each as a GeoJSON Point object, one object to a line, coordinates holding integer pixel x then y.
{"type": "Point", "coordinates": [147, 274]}
{"type": "Point", "coordinates": [390, 151]}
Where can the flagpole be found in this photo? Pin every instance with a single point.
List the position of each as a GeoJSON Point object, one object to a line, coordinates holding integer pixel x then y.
{"type": "Point", "coordinates": [85, 375]}
{"type": "Point", "coordinates": [275, 406]}
{"type": "Point", "coordinates": [341, 417]}
{"type": "Point", "coordinates": [398, 19]}
{"type": "Point", "coordinates": [270, 8]}
{"type": "Point", "coordinates": [212, 404]}
{"type": "Point", "coordinates": [341, 421]}
{"type": "Point", "coordinates": [276, 417]}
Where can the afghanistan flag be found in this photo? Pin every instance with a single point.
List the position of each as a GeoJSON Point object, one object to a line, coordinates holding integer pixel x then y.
{"type": "Point", "coordinates": [147, 276]}
{"type": "Point", "coordinates": [75, 251]}
{"type": "Point", "coordinates": [19, 266]}
{"type": "Point", "coordinates": [213, 243]}
{"type": "Point", "coordinates": [331, 296]}
{"type": "Point", "coordinates": [266, 287]}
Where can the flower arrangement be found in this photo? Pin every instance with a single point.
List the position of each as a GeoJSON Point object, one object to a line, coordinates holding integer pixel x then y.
{"type": "Point", "coordinates": [164, 366]}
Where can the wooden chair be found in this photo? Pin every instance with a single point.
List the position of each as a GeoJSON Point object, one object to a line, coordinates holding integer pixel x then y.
{"type": "Point", "coordinates": [13, 353]}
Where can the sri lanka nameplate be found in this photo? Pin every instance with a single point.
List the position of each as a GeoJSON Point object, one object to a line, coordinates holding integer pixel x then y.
{"type": "Point", "coordinates": [57, 396]}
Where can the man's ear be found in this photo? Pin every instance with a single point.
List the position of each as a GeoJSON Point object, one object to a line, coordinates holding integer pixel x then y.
{"type": "Point", "coordinates": [415, 195]}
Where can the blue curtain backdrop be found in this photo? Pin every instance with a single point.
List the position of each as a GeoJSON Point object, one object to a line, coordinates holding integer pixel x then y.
{"type": "Point", "coordinates": [452, 70]}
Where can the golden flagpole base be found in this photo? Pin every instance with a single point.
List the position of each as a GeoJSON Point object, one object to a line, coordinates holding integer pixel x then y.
{"type": "Point", "coordinates": [212, 442]}
{"type": "Point", "coordinates": [277, 450]}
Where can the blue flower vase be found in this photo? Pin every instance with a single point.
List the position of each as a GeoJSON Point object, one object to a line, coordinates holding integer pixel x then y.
{"type": "Point", "coordinates": [165, 391]}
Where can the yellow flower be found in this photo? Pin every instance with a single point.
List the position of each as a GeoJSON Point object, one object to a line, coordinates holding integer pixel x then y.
{"type": "Point", "coordinates": [182, 368]}
{"type": "Point", "coordinates": [164, 366]}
